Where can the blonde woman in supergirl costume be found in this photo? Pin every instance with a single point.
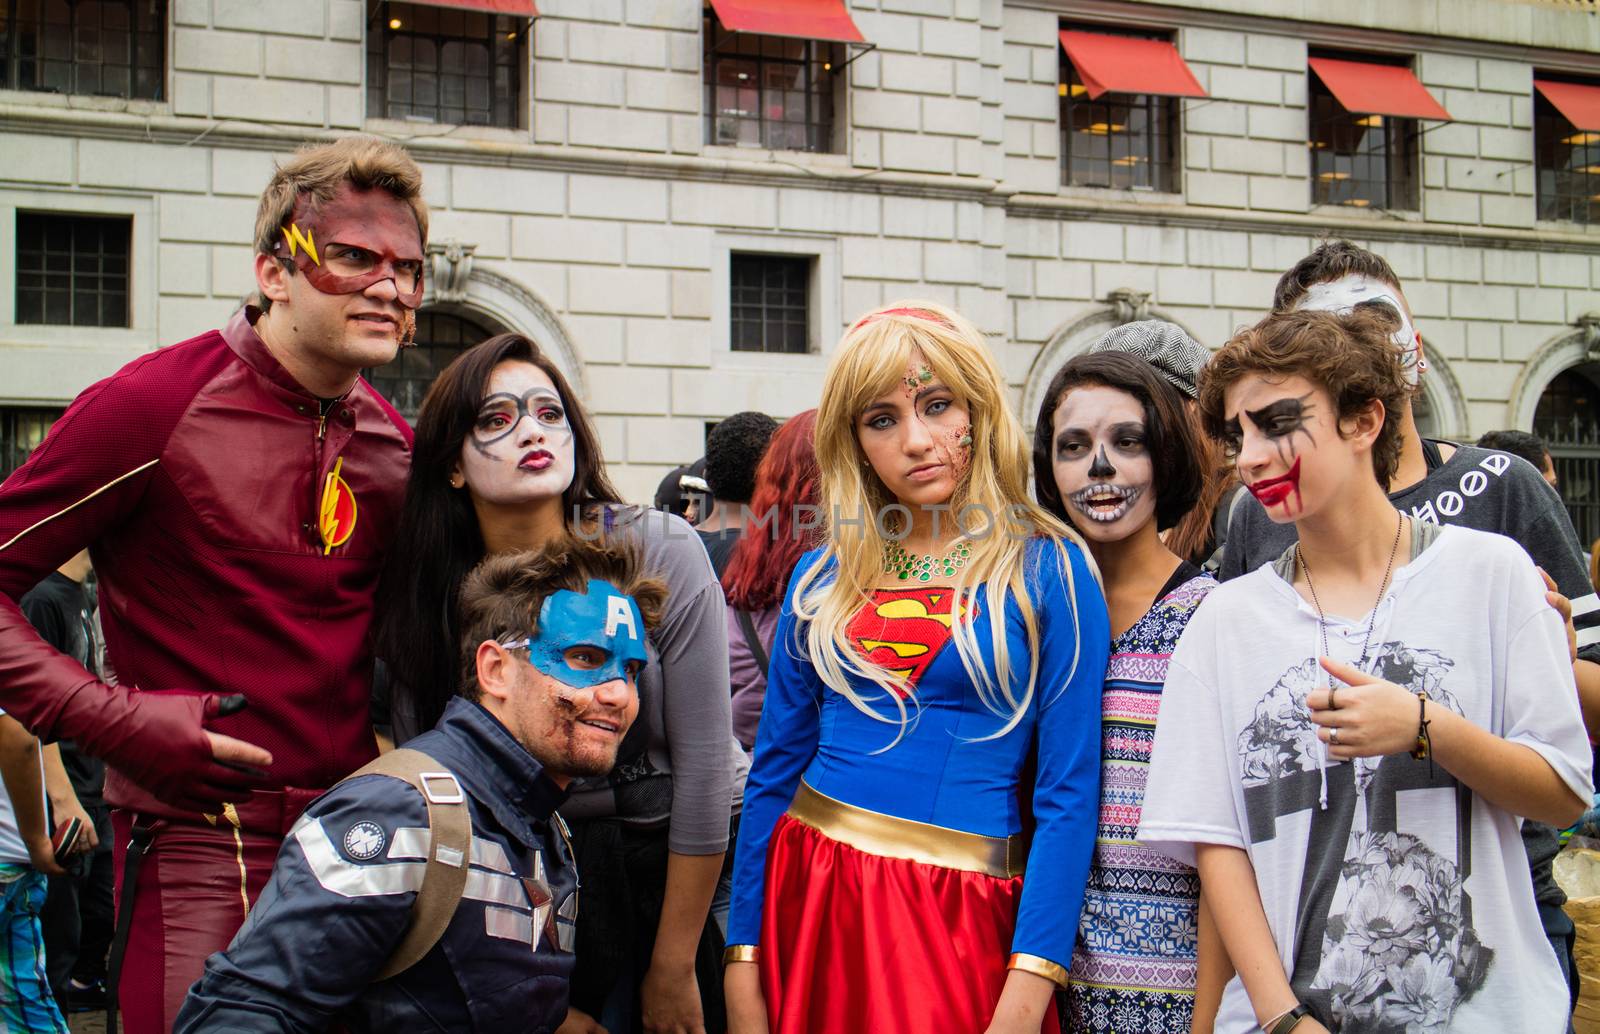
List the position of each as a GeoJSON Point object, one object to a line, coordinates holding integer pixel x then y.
{"type": "Point", "coordinates": [882, 882]}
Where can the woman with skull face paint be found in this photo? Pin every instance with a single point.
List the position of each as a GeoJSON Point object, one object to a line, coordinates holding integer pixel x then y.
{"type": "Point", "coordinates": [879, 879]}
{"type": "Point", "coordinates": [1105, 422]}
{"type": "Point", "coordinates": [507, 460]}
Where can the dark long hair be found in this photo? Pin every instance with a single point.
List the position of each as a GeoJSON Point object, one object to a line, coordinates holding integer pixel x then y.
{"type": "Point", "coordinates": [786, 480]}
{"type": "Point", "coordinates": [438, 541]}
{"type": "Point", "coordinates": [1170, 434]}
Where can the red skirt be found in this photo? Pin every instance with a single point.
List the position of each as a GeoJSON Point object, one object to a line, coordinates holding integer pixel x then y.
{"type": "Point", "coordinates": [857, 942]}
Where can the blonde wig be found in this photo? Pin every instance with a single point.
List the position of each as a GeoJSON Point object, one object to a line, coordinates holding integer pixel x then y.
{"type": "Point", "coordinates": [874, 358]}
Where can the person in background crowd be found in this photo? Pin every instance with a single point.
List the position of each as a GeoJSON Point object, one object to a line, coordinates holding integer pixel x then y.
{"type": "Point", "coordinates": [1104, 419]}
{"type": "Point", "coordinates": [237, 492]}
{"type": "Point", "coordinates": [1348, 776]}
{"type": "Point", "coordinates": [507, 460]}
{"type": "Point", "coordinates": [733, 452]}
{"type": "Point", "coordinates": [696, 493]}
{"type": "Point", "coordinates": [878, 884]}
{"type": "Point", "coordinates": [787, 524]}
{"type": "Point", "coordinates": [1178, 358]}
{"type": "Point", "coordinates": [79, 911]}
{"type": "Point", "coordinates": [27, 863]}
{"type": "Point", "coordinates": [552, 644]}
{"type": "Point", "coordinates": [669, 496]}
{"type": "Point", "coordinates": [1525, 444]}
{"type": "Point", "coordinates": [1439, 482]}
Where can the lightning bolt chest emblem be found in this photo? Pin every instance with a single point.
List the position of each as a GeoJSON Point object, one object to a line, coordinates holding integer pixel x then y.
{"type": "Point", "coordinates": [903, 630]}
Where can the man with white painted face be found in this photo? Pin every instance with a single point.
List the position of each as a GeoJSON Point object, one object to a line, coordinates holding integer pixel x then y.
{"type": "Point", "coordinates": [552, 644]}
{"type": "Point", "coordinates": [237, 492]}
{"type": "Point", "coordinates": [1442, 482]}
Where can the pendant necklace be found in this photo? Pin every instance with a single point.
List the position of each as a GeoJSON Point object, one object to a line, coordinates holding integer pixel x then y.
{"type": "Point", "coordinates": [1322, 621]}
{"type": "Point", "coordinates": [921, 568]}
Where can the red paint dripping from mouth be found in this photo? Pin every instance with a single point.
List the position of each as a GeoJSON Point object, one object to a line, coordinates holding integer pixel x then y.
{"type": "Point", "coordinates": [1270, 492]}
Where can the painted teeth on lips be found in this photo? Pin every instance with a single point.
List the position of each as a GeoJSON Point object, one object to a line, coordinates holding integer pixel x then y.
{"type": "Point", "coordinates": [1104, 503]}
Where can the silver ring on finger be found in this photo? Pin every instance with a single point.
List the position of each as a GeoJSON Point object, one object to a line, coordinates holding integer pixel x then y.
{"type": "Point", "coordinates": [1333, 736]}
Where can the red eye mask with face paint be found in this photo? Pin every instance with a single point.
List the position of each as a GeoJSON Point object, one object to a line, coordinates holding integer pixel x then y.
{"type": "Point", "coordinates": [355, 240]}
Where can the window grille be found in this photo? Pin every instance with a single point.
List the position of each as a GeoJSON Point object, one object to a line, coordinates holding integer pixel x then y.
{"type": "Point", "coordinates": [1363, 161]}
{"type": "Point", "coordinates": [21, 431]}
{"type": "Point", "coordinates": [72, 269]}
{"type": "Point", "coordinates": [771, 303]}
{"type": "Point", "coordinates": [110, 48]}
{"type": "Point", "coordinates": [770, 91]}
{"type": "Point", "coordinates": [1567, 163]}
{"type": "Point", "coordinates": [1123, 141]}
{"type": "Point", "coordinates": [440, 64]}
{"type": "Point", "coordinates": [441, 336]}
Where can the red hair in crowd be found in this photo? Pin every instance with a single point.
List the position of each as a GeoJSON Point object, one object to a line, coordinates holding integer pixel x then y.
{"type": "Point", "coordinates": [786, 481]}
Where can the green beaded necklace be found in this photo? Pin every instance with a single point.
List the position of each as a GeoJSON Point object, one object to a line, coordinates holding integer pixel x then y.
{"type": "Point", "coordinates": [909, 567]}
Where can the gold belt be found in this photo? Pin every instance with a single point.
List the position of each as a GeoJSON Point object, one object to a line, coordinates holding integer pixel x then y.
{"type": "Point", "coordinates": [891, 837]}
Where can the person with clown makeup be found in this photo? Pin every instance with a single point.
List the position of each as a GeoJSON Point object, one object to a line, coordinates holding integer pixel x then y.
{"type": "Point", "coordinates": [1441, 482]}
{"type": "Point", "coordinates": [237, 492]}
{"type": "Point", "coordinates": [552, 644]}
{"type": "Point", "coordinates": [936, 664]}
{"type": "Point", "coordinates": [1351, 735]}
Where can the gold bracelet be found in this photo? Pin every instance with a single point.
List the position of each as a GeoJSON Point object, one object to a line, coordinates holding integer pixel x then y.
{"type": "Point", "coordinates": [741, 953]}
{"type": "Point", "coordinates": [1039, 967]}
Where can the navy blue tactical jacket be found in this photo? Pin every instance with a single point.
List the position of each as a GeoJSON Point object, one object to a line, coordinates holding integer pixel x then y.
{"type": "Point", "coordinates": [341, 893]}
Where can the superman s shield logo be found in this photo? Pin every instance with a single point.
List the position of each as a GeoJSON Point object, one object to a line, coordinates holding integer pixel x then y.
{"type": "Point", "coordinates": [903, 630]}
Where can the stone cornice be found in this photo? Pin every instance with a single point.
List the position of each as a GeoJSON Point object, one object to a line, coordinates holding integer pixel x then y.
{"type": "Point", "coordinates": [1450, 30]}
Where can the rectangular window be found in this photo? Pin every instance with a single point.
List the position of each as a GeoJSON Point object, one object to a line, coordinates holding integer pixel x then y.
{"type": "Point", "coordinates": [1116, 139]}
{"type": "Point", "coordinates": [109, 48]}
{"type": "Point", "coordinates": [771, 302]}
{"type": "Point", "coordinates": [72, 269]}
{"type": "Point", "coordinates": [438, 64]}
{"type": "Point", "coordinates": [1567, 158]}
{"type": "Point", "coordinates": [1360, 160]}
{"type": "Point", "coordinates": [772, 92]}
{"type": "Point", "coordinates": [21, 431]}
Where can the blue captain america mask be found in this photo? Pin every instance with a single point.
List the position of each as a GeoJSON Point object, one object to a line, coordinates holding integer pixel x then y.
{"type": "Point", "coordinates": [602, 617]}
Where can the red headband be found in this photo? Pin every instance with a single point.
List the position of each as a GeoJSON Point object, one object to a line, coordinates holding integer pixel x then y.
{"type": "Point", "coordinates": [921, 314]}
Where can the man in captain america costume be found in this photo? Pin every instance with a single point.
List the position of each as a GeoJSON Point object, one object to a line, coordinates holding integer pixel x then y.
{"type": "Point", "coordinates": [553, 642]}
{"type": "Point", "coordinates": [236, 492]}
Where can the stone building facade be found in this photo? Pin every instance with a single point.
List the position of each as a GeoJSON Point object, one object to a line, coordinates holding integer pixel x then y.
{"type": "Point", "coordinates": [626, 218]}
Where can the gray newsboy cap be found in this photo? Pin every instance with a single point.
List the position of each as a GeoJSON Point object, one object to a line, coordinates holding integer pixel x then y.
{"type": "Point", "coordinates": [1175, 355]}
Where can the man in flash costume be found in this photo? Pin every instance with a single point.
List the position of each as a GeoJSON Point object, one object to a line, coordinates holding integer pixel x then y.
{"type": "Point", "coordinates": [236, 492]}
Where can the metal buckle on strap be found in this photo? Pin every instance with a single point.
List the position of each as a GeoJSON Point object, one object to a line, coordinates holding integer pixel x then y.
{"type": "Point", "coordinates": [452, 796]}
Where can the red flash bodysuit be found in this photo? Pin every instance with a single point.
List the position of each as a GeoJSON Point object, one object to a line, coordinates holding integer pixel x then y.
{"type": "Point", "coordinates": [207, 485]}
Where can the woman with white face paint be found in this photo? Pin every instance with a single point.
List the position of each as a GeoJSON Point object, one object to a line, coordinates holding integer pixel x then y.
{"type": "Point", "coordinates": [1107, 421]}
{"type": "Point", "coordinates": [505, 459]}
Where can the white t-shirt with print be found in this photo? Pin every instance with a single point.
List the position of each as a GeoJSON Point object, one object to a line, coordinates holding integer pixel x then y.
{"type": "Point", "coordinates": [1399, 900]}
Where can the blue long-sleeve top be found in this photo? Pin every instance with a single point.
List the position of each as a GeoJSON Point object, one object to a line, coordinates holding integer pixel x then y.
{"type": "Point", "coordinates": [942, 772]}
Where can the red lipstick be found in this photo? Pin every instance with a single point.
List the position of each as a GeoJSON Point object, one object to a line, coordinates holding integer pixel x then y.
{"type": "Point", "coordinates": [1270, 492]}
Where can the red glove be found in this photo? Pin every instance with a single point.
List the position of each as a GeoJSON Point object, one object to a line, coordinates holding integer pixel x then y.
{"type": "Point", "coordinates": [160, 742]}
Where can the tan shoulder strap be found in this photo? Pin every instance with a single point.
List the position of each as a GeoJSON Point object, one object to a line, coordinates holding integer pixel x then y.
{"type": "Point", "coordinates": [449, 850]}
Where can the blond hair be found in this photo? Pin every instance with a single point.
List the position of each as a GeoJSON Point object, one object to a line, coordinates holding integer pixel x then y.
{"type": "Point", "coordinates": [320, 169]}
{"type": "Point", "coordinates": [871, 361]}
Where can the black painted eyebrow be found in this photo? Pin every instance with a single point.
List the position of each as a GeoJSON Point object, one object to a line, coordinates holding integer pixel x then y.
{"type": "Point", "coordinates": [1127, 427]}
{"type": "Point", "coordinates": [1279, 408]}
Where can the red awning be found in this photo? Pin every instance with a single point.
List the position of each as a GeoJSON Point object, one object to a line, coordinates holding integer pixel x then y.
{"type": "Point", "coordinates": [802, 19]}
{"type": "Point", "coordinates": [1369, 89]}
{"type": "Point", "coordinates": [513, 8]}
{"type": "Point", "coordinates": [1578, 102]}
{"type": "Point", "coordinates": [1126, 64]}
